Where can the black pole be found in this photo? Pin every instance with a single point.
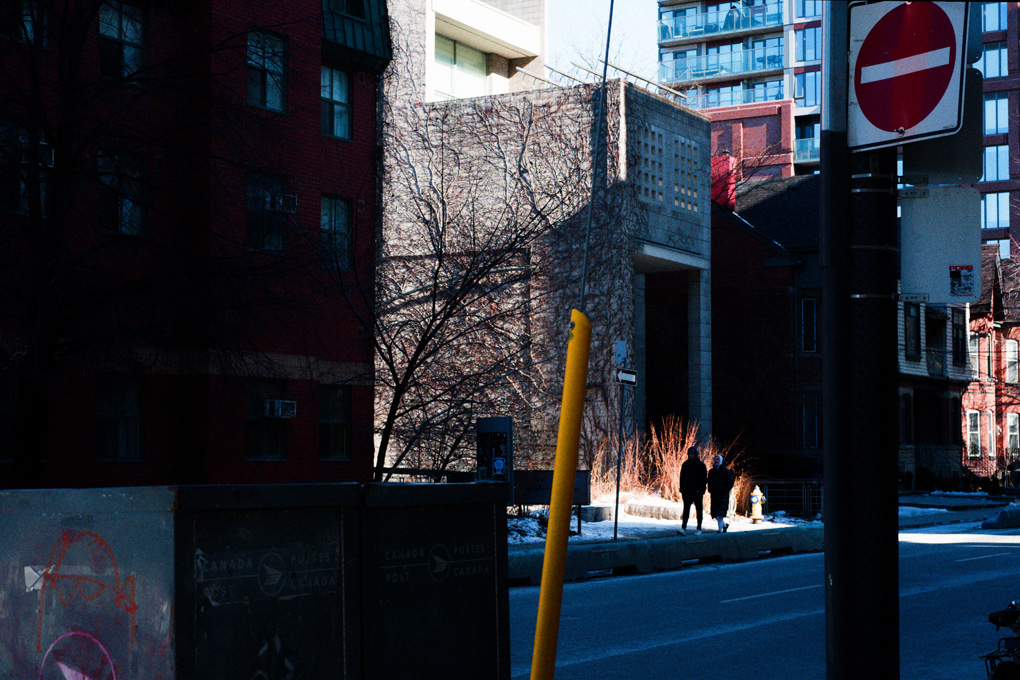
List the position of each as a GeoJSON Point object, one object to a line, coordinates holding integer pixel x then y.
{"type": "Point", "coordinates": [859, 355]}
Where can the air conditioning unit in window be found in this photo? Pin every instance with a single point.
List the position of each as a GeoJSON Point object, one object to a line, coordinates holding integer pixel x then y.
{"type": "Point", "coordinates": [286, 203]}
{"type": "Point", "coordinates": [279, 408]}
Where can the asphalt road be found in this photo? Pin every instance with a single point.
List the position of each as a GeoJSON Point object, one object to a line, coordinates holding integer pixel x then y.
{"type": "Point", "coordinates": [765, 619]}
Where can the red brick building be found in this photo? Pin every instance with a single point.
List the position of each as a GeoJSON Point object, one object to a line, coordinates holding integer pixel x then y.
{"type": "Point", "coordinates": [188, 217]}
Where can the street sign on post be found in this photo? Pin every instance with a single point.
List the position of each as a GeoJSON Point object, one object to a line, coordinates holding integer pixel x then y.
{"type": "Point", "coordinates": [940, 250]}
{"type": "Point", "coordinates": [906, 72]}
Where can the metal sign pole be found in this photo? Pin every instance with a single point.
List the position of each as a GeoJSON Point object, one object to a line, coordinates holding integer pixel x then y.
{"type": "Point", "coordinates": [619, 465]}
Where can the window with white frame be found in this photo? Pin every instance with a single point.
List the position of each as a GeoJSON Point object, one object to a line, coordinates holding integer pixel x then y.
{"type": "Point", "coordinates": [1012, 351]}
{"type": "Point", "coordinates": [266, 69]}
{"type": "Point", "coordinates": [1012, 435]}
{"type": "Point", "coordinates": [974, 348]}
{"type": "Point", "coordinates": [265, 436]}
{"type": "Point", "coordinates": [990, 431]}
{"type": "Point", "coordinates": [992, 63]}
{"type": "Point", "coordinates": [335, 91]}
{"type": "Point", "coordinates": [121, 39]}
{"type": "Point", "coordinates": [118, 418]}
{"type": "Point", "coordinates": [996, 113]}
{"type": "Point", "coordinates": [995, 210]}
{"type": "Point", "coordinates": [460, 71]}
{"type": "Point", "coordinates": [995, 165]}
{"type": "Point", "coordinates": [335, 225]}
{"type": "Point", "coordinates": [809, 44]}
{"type": "Point", "coordinates": [973, 434]}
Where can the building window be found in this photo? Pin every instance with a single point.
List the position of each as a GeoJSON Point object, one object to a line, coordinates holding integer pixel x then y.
{"type": "Point", "coordinates": [912, 330]}
{"type": "Point", "coordinates": [1003, 245]}
{"type": "Point", "coordinates": [336, 103]}
{"type": "Point", "coordinates": [988, 357]}
{"type": "Point", "coordinates": [24, 21]}
{"type": "Point", "coordinates": [724, 95]}
{"type": "Point", "coordinates": [268, 209]}
{"type": "Point", "coordinates": [805, 9]}
{"type": "Point", "coordinates": [335, 223]}
{"type": "Point", "coordinates": [990, 431]}
{"type": "Point", "coordinates": [996, 113]}
{"type": "Point", "coordinates": [460, 70]}
{"type": "Point", "coordinates": [121, 36]}
{"type": "Point", "coordinates": [996, 163]}
{"type": "Point", "coordinates": [266, 62]}
{"type": "Point", "coordinates": [809, 44]}
{"type": "Point", "coordinates": [809, 325]}
{"type": "Point", "coordinates": [995, 210]}
{"type": "Point", "coordinates": [806, 86]}
{"type": "Point", "coordinates": [810, 430]}
{"type": "Point", "coordinates": [974, 342]}
{"type": "Point", "coordinates": [15, 163]}
{"type": "Point", "coordinates": [1012, 436]}
{"type": "Point", "coordinates": [992, 63]}
{"type": "Point", "coordinates": [118, 419]}
{"type": "Point", "coordinates": [120, 194]}
{"type": "Point", "coordinates": [334, 422]}
{"type": "Point", "coordinates": [764, 91]}
{"type": "Point", "coordinates": [1012, 362]}
{"type": "Point", "coordinates": [264, 435]}
{"type": "Point", "coordinates": [906, 420]}
{"type": "Point", "coordinates": [973, 434]}
{"type": "Point", "coordinates": [993, 16]}
{"type": "Point", "coordinates": [354, 8]}
{"type": "Point", "coordinates": [959, 337]}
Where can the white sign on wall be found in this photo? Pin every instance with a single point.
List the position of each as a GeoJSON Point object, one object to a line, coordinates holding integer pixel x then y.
{"type": "Point", "coordinates": [940, 249]}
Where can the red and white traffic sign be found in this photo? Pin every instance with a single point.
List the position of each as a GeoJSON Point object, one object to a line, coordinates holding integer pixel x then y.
{"type": "Point", "coordinates": [906, 71]}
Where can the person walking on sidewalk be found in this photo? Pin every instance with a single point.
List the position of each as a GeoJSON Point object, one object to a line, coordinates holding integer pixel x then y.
{"type": "Point", "coordinates": [693, 476]}
{"type": "Point", "coordinates": [720, 481]}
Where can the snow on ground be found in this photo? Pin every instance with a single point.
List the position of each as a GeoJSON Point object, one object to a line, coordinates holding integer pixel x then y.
{"type": "Point", "coordinates": [531, 529]}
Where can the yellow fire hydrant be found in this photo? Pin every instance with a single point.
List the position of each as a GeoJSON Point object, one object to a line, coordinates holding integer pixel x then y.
{"type": "Point", "coordinates": [757, 498]}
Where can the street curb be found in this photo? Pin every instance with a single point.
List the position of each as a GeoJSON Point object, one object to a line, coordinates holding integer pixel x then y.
{"type": "Point", "coordinates": [642, 556]}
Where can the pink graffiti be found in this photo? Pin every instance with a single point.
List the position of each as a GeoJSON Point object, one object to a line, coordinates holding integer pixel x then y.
{"type": "Point", "coordinates": [68, 671]}
{"type": "Point", "coordinates": [87, 587]}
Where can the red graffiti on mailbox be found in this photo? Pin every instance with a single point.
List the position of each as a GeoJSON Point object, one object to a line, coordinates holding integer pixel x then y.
{"type": "Point", "coordinates": [90, 549]}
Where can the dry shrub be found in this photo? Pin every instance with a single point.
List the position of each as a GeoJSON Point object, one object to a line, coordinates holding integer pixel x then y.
{"type": "Point", "coordinates": [603, 469]}
{"type": "Point", "coordinates": [656, 464]}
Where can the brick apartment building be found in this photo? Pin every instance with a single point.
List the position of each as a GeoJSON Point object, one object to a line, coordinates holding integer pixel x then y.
{"type": "Point", "coordinates": [188, 200]}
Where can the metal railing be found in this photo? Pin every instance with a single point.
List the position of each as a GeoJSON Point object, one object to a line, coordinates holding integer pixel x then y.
{"type": "Point", "coordinates": [721, 22]}
{"type": "Point", "coordinates": [802, 498]}
{"type": "Point", "coordinates": [738, 63]}
{"type": "Point", "coordinates": [711, 100]}
{"type": "Point", "coordinates": [807, 150]}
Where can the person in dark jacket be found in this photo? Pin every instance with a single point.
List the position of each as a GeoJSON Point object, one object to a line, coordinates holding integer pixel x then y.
{"type": "Point", "coordinates": [720, 481]}
{"type": "Point", "coordinates": [693, 475]}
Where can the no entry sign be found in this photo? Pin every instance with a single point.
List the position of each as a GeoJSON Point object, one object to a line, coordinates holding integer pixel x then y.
{"type": "Point", "coordinates": [906, 71]}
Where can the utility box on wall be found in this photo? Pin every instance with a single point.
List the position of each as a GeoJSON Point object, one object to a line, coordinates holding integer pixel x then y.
{"type": "Point", "coordinates": [246, 582]}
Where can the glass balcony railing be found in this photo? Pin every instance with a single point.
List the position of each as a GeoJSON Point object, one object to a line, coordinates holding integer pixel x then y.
{"type": "Point", "coordinates": [807, 150]}
{"type": "Point", "coordinates": [721, 65]}
{"type": "Point", "coordinates": [719, 22]}
{"type": "Point", "coordinates": [711, 100]}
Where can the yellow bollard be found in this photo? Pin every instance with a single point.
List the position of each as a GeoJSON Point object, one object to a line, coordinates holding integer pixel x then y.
{"type": "Point", "coordinates": [550, 596]}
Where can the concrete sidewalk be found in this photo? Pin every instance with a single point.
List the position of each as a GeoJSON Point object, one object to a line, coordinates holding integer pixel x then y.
{"type": "Point", "coordinates": [667, 551]}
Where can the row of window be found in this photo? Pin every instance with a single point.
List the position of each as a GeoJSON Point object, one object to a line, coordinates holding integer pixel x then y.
{"type": "Point", "coordinates": [984, 362]}
{"type": "Point", "coordinates": [912, 334]}
{"type": "Point", "coordinates": [120, 422]}
{"type": "Point", "coordinates": [981, 432]}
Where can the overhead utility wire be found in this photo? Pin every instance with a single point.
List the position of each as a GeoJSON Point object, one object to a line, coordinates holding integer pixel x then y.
{"type": "Point", "coordinates": [595, 161]}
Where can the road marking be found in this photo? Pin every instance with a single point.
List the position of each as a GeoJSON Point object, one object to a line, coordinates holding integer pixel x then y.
{"type": "Point", "coordinates": [775, 592]}
{"type": "Point", "coordinates": [984, 557]}
{"type": "Point", "coordinates": [901, 67]}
